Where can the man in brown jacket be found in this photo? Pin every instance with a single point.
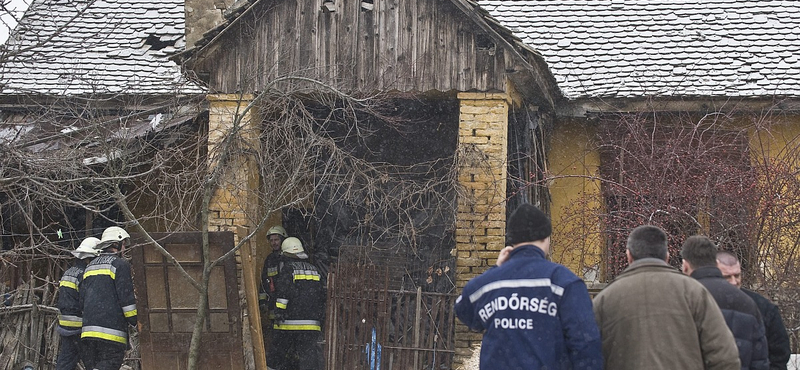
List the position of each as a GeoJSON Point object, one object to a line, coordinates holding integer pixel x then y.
{"type": "Point", "coordinates": [654, 317]}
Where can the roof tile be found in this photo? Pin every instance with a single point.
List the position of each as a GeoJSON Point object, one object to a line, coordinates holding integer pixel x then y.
{"type": "Point", "coordinates": [103, 49]}
{"type": "Point", "coordinates": [710, 47]}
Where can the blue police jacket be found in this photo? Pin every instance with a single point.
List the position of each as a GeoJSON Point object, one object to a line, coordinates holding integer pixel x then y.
{"type": "Point", "coordinates": [535, 314]}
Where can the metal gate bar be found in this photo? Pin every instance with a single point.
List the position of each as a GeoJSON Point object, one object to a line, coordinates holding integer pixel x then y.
{"type": "Point", "coordinates": [369, 326]}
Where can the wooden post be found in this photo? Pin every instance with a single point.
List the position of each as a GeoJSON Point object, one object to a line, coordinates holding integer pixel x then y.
{"type": "Point", "coordinates": [251, 294]}
{"type": "Point", "coordinates": [417, 319]}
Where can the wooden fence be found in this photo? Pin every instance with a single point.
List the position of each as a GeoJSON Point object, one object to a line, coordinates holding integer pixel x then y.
{"type": "Point", "coordinates": [369, 326]}
{"type": "Point", "coordinates": [28, 338]}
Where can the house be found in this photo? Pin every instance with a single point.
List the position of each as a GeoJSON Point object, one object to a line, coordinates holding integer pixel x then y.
{"type": "Point", "coordinates": [616, 58]}
{"type": "Point", "coordinates": [524, 100]}
{"type": "Point", "coordinates": [83, 84]}
{"type": "Point", "coordinates": [125, 56]}
{"type": "Point", "coordinates": [682, 114]}
{"type": "Point", "coordinates": [488, 90]}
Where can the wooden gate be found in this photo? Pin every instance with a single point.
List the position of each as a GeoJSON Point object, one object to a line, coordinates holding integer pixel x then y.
{"type": "Point", "coordinates": [167, 303]}
{"type": "Point", "coordinates": [369, 326]}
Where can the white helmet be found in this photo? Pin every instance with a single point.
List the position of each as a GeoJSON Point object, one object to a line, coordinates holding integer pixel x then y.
{"type": "Point", "coordinates": [114, 234]}
{"type": "Point", "coordinates": [87, 248]}
{"type": "Point", "coordinates": [292, 245]}
{"type": "Point", "coordinates": [277, 230]}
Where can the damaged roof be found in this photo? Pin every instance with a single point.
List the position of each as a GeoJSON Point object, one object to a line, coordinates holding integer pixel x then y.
{"type": "Point", "coordinates": [17, 130]}
{"type": "Point", "coordinates": [96, 47]}
{"type": "Point", "coordinates": [595, 49]}
{"type": "Point", "coordinates": [661, 48]}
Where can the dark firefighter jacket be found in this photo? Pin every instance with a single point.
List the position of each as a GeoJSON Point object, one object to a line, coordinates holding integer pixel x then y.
{"type": "Point", "coordinates": [266, 295]}
{"type": "Point", "coordinates": [108, 301]}
{"type": "Point", "coordinates": [70, 312]}
{"type": "Point", "coordinates": [299, 297]}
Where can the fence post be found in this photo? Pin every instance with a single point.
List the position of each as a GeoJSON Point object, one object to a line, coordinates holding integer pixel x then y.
{"type": "Point", "coordinates": [417, 318]}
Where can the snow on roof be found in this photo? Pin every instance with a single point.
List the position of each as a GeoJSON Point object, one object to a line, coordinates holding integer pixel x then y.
{"type": "Point", "coordinates": [81, 47]}
{"type": "Point", "coordinates": [665, 48]}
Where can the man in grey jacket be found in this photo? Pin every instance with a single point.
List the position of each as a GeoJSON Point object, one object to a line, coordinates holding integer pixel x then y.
{"type": "Point", "coordinates": [653, 317]}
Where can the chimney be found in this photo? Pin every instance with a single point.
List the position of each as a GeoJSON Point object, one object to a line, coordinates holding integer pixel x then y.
{"type": "Point", "coordinates": [201, 17]}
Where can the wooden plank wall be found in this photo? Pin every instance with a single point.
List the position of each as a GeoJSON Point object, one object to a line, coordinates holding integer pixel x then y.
{"type": "Point", "coordinates": [403, 45]}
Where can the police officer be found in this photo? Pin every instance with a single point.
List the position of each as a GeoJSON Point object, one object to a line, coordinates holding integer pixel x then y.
{"type": "Point", "coordinates": [109, 304]}
{"type": "Point", "coordinates": [70, 311]}
{"type": "Point", "coordinates": [299, 310]}
{"type": "Point", "coordinates": [535, 314]}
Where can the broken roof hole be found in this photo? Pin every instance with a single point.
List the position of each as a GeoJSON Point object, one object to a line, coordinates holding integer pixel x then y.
{"type": "Point", "coordinates": [156, 43]}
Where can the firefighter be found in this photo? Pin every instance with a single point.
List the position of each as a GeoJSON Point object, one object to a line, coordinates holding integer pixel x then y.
{"type": "Point", "coordinates": [299, 310]}
{"type": "Point", "coordinates": [70, 311]}
{"type": "Point", "coordinates": [275, 236]}
{"type": "Point", "coordinates": [109, 304]}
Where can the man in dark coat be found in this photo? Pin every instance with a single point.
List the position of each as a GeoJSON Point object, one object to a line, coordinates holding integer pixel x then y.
{"type": "Point", "coordinates": [741, 313]}
{"type": "Point", "coordinates": [299, 311]}
{"type": "Point", "coordinates": [535, 314]}
{"type": "Point", "coordinates": [70, 312]}
{"type": "Point", "coordinates": [777, 338]}
{"type": "Point", "coordinates": [269, 275]}
{"type": "Point", "coordinates": [109, 304]}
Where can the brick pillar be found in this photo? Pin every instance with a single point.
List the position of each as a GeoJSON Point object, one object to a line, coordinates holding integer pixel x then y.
{"type": "Point", "coordinates": [481, 215]}
{"type": "Point", "coordinates": [239, 181]}
{"type": "Point", "coordinates": [234, 204]}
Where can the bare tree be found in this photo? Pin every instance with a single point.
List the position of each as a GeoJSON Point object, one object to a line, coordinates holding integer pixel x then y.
{"type": "Point", "coordinates": [155, 173]}
{"type": "Point", "coordinates": [367, 169]}
{"type": "Point", "coordinates": [775, 232]}
{"type": "Point", "coordinates": [10, 13]}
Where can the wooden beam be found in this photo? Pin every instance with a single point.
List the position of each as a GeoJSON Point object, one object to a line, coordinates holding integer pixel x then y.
{"type": "Point", "coordinates": [251, 294]}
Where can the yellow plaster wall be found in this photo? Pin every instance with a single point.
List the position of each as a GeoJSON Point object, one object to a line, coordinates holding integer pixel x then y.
{"type": "Point", "coordinates": [573, 162]}
{"type": "Point", "coordinates": [777, 143]}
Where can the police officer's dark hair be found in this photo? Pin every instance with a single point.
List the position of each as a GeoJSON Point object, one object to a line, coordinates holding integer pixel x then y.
{"type": "Point", "coordinates": [699, 251]}
{"type": "Point", "coordinates": [647, 241]}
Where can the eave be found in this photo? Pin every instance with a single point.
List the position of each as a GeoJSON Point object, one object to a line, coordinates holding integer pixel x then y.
{"type": "Point", "coordinates": [691, 104]}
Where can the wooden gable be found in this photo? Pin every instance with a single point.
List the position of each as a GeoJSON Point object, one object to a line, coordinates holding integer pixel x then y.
{"type": "Point", "coordinates": [366, 46]}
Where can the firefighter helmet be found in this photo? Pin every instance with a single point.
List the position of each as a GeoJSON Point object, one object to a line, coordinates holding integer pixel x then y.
{"type": "Point", "coordinates": [87, 247]}
{"type": "Point", "coordinates": [292, 245]}
{"type": "Point", "coordinates": [114, 234]}
{"type": "Point", "coordinates": [277, 230]}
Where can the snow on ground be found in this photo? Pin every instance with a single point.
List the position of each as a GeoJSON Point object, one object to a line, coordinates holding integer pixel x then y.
{"type": "Point", "coordinates": [472, 363]}
{"type": "Point", "coordinates": [794, 363]}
